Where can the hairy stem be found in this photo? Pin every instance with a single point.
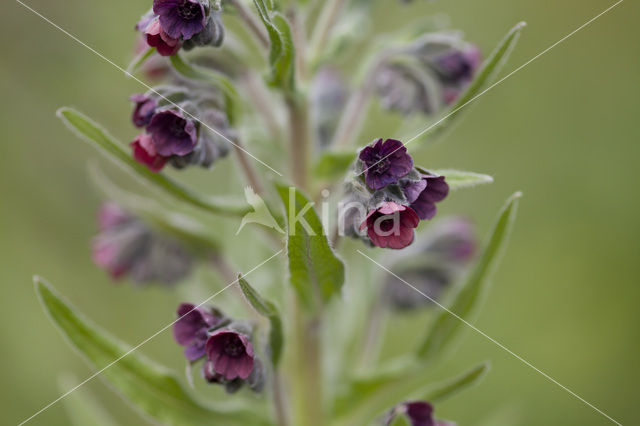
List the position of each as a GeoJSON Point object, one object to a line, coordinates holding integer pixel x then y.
{"type": "Point", "coordinates": [247, 168]}
{"type": "Point", "coordinates": [256, 91]}
{"type": "Point", "coordinates": [251, 22]}
{"type": "Point", "coordinates": [280, 402]}
{"type": "Point", "coordinates": [326, 22]}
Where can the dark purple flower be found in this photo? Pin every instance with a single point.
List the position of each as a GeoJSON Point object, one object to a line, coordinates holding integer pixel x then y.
{"type": "Point", "coordinates": [145, 107]}
{"type": "Point", "coordinates": [391, 225]}
{"type": "Point", "coordinates": [385, 163]}
{"type": "Point", "coordinates": [418, 413]}
{"type": "Point", "coordinates": [231, 354]}
{"type": "Point", "coordinates": [158, 38]}
{"type": "Point", "coordinates": [144, 152]}
{"type": "Point", "coordinates": [181, 18]}
{"type": "Point", "coordinates": [255, 381]}
{"type": "Point", "coordinates": [172, 133]}
{"type": "Point", "coordinates": [125, 245]}
{"type": "Point", "coordinates": [191, 329]}
{"type": "Point", "coordinates": [458, 66]}
{"type": "Point", "coordinates": [423, 194]}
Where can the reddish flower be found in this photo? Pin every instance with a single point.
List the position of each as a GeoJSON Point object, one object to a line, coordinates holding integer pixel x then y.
{"type": "Point", "coordinates": [156, 37]}
{"type": "Point", "coordinates": [191, 329]}
{"type": "Point", "coordinates": [144, 152]}
{"type": "Point", "coordinates": [231, 354]}
{"type": "Point", "coordinates": [391, 225]}
{"type": "Point", "coordinates": [181, 18]}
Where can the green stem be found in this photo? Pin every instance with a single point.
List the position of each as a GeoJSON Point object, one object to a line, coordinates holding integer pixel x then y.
{"type": "Point", "coordinates": [298, 139]}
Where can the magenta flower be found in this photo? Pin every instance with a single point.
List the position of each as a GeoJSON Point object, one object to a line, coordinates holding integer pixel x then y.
{"type": "Point", "coordinates": [181, 18]}
{"type": "Point", "coordinates": [158, 38]}
{"type": "Point", "coordinates": [456, 69]}
{"type": "Point", "coordinates": [192, 329]}
{"type": "Point", "coordinates": [144, 152]}
{"type": "Point", "coordinates": [417, 413]}
{"type": "Point", "coordinates": [385, 163]}
{"type": "Point", "coordinates": [391, 225]}
{"type": "Point", "coordinates": [423, 195]}
{"type": "Point", "coordinates": [145, 107]}
{"type": "Point", "coordinates": [231, 354]}
{"type": "Point", "coordinates": [172, 133]}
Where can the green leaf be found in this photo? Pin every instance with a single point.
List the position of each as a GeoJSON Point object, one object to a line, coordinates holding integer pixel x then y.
{"type": "Point", "coordinates": [451, 387]}
{"type": "Point", "coordinates": [469, 295]}
{"type": "Point", "coordinates": [333, 164]}
{"type": "Point", "coordinates": [368, 399]}
{"type": "Point", "coordinates": [315, 271]}
{"type": "Point", "coordinates": [92, 133]}
{"type": "Point", "coordinates": [140, 59]}
{"type": "Point", "coordinates": [268, 310]}
{"type": "Point", "coordinates": [82, 408]}
{"type": "Point", "coordinates": [150, 387]}
{"type": "Point", "coordinates": [282, 51]}
{"type": "Point", "coordinates": [482, 80]}
{"type": "Point", "coordinates": [458, 179]}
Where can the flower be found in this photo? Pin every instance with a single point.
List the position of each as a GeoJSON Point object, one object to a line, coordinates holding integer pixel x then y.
{"type": "Point", "coordinates": [181, 18]}
{"type": "Point", "coordinates": [231, 354]}
{"type": "Point", "coordinates": [425, 193]}
{"type": "Point", "coordinates": [255, 380]}
{"type": "Point", "coordinates": [417, 413]}
{"type": "Point", "coordinates": [192, 328]}
{"type": "Point", "coordinates": [172, 133]}
{"type": "Point", "coordinates": [211, 35]}
{"type": "Point", "coordinates": [385, 163]}
{"type": "Point", "coordinates": [391, 225]}
{"type": "Point", "coordinates": [145, 107]}
{"type": "Point", "coordinates": [144, 152]}
{"type": "Point", "coordinates": [158, 38]}
{"type": "Point", "coordinates": [125, 245]}
{"type": "Point", "coordinates": [455, 69]}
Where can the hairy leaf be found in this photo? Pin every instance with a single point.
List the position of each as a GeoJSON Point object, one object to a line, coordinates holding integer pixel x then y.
{"type": "Point", "coordinates": [92, 133]}
{"type": "Point", "coordinates": [148, 386]}
{"type": "Point", "coordinates": [468, 297]}
{"type": "Point", "coordinates": [268, 310]}
{"type": "Point", "coordinates": [315, 271]}
{"type": "Point", "coordinates": [369, 398]}
{"type": "Point", "coordinates": [281, 52]}
{"type": "Point", "coordinates": [458, 179]}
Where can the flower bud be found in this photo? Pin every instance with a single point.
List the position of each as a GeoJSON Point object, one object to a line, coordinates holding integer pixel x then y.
{"type": "Point", "coordinates": [432, 266]}
{"type": "Point", "coordinates": [415, 413]}
{"type": "Point", "coordinates": [428, 75]}
{"type": "Point", "coordinates": [127, 246]}
{"type": "Point", "coordinates": [212, 35]}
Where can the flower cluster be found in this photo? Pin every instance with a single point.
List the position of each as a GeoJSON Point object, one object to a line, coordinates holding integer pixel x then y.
{"type": "Point", "coordinates": [125, 245]}
{"type": "Point", "coordinates": [174, 24]}
{"type": "Point", "coordinates": [173, 134]}
{"type": "Point", "coordinates": [415, 413]}
{"type": "Point", "coordinates": [435, 263]}
{"type": "Point", "coordinates": [428, 75]}
{"type": "Point", "coordinates": [396, 194]}
{"type": "Point", "coordinates": [223, 342]}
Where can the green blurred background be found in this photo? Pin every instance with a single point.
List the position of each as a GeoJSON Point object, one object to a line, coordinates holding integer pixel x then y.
{"type": "Point", "coordinates": [563, 130]}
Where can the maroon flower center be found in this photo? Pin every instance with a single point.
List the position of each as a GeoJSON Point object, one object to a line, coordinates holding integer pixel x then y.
{"type": "Point", "coordinates": [233, 347]}
{"type": "Point", "coordinates": [188, 10]}
{"type": "Point", "coordinates": [176, 129]}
